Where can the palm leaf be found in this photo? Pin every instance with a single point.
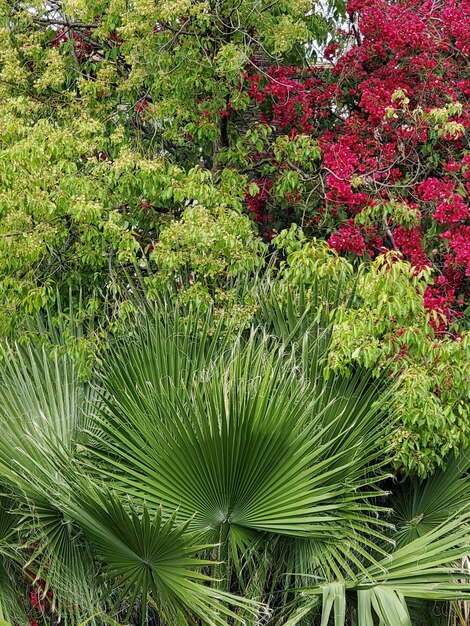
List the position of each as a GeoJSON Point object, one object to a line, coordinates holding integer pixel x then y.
{"type": "Point", "coordinates": [72, 522]}
{"type": "Point", "coordinates": [146, 554]}
{"type": "Point", "coordinates": [234, 435]}
{"type": "Point", "coordinates": [426, 568]}
{"type": "Point", "coordinates": [11, 609]}
{"type": "Point", "coordinates": [42, 408]}
{"type": "Point", "coordinates": [423, 505]}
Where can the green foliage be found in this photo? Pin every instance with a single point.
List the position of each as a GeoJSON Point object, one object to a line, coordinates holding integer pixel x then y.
{"type": "Point", "coordinates": [246, 414]}
{"type": "Point", "coordinates": [112, 126]}
{"type": "Point", "coordinates": [380, 323]}
{"type": "Point", "coordinates": [199, 428]}
{"type": "Point", "coordinates": [203, 251]}
{"type": "Point", "coordinates": [148, 556]}
{"type": "Point", "coordinates": [383, 592]}
{"type": "Point", "coordinates": [56, 224]}
{"type": "Point", "coordinates": [206, 478]}
{"type": "Point", "coordinates": [127, 155]}
{"type": "Point", "coordinates": [424, 505]}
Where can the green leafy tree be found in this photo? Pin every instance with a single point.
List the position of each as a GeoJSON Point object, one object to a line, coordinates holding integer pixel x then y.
{"type": "Point", "coordinates": [113, 118]}
{"type": "Point", "coordinates": [379, 322]}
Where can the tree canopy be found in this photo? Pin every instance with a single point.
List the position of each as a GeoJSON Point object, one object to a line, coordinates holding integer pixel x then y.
{"type": "Point", "coordinates": [196, 143]}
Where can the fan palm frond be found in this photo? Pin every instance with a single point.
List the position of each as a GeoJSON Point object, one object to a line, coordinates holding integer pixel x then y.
{"type": "Point", "coordinates": [42, 408]}
{"type": "Point", "coordinates": [71, 522]}
{"type": "Point", "coordinates": [11, 609]}
{"type": "Point", "coordinates": [422, 505]}
{"type": "Point", "coordinates": [145, 555]}
{"type": "Point", "coordinates": [428, 567]}
{"type": "Point", "coordinates": [241, 440]}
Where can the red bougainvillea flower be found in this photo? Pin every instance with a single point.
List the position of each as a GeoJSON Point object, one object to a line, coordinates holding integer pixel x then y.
{"type": "Point", "coordinates": [390, 116]}
{"type": "Point", "coordinates": [347, 239]}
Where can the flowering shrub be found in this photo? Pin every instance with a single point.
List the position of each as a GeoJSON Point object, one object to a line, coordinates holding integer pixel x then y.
{"type": "Point", "coordinates": [391, 116]}
{"type": "Point", "coordinates": [347, 238]}
{"type": "Point", "coordinates": [389, 113]}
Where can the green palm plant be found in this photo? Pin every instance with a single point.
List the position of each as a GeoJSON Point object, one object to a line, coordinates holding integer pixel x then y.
{"type": "Point", "coordinates": [421, 506]}
{"type": "Point", "coordinates": [43, 411]}
{"type": "Point", "coordinates": [426, 568]}
{"type": "Point", "coordinates": [80, 538]}
{"type": "Point", "coordinates": [211, 477]}
{"type": "Point", "coordinates": [11, 610]}
{"type": "Point", "coordinates": [244, 440]}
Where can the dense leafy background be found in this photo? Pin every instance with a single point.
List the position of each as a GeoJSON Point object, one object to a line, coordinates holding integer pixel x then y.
{"type": "Point", "coordinates": [182, 138]}
{"type": "Point", "coordinates": [291, 180]}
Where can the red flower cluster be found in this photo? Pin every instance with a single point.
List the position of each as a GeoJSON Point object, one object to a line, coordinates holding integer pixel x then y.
{"type": "Point", "coordinates": [290, 98]}
{"type": "Point", "coordinates": [83, 47]}
{"type": "Point", "coordinates": [39, 598]}
{"type": "Point", "coordinates": [451, 211]}
{"type": "Point", "coordinates": [433, 189]}
{"type": "Point", "coordinates": [60, 38]}
{"type": "Point", "coordinates": [459, 244]}
{"type": "Point", "coordinates": [257, 203]}
{"type": "Point", "coordinates": [408, 241]}
{"type": "Point", "coordinates": [390, 119]}
{"type": "Point", "coordinates": [440, 299]}
{"type": "Point", "coordinates": [347, 239]}
{"type": "Point", "coordinates": [141, 105]}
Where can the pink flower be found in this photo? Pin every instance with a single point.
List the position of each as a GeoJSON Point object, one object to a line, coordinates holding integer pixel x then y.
{"type": "Point", "coordinates": [347, 239]}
